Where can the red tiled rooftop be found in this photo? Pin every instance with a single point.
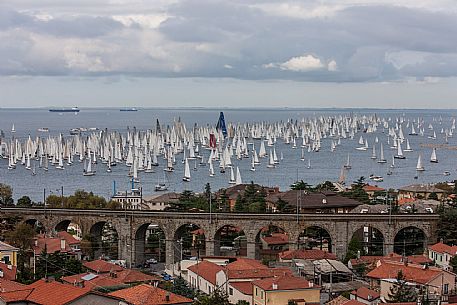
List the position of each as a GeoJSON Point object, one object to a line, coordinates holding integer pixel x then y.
{"type": "Point", "coordinates": [206, 270]}
{"type": "Point", "coordinates": [70, 239]}
{"type": "Point", "coordinates": [283, 283]}
{"type": "Point", "coordinates": [243, 287]}
{"type": "Point", "coordinates": [353, 302]}
{"type": "Point", "coordinates": [372, 188]}
{"type": "Point", "coordinates": [365, 293]}
{"type": "Point", "coordinates": [101, 266]}
{"type": "Point", "coordinates": [110, 279]}
{"type": "Point", "coordinates": [443, 248]}
{"type": "Point", "coordinates": [148, 295]}
{"type": "Point", "coordinates": [276, 239]}
{"type": "Point", "coordinates": [412, 272]}
{"type": "Point", "coordinates": [45, 293]}
{"type": "Point", "coordinates": [245, 264]}
{"type": "Point", "coordinates": [7, 285]}
{"type": "Point", "coordinates": [258, 273]}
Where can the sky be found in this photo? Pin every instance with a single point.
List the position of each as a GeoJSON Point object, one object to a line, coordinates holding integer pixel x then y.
{"type": "Point", "coordinates": [231, 53]}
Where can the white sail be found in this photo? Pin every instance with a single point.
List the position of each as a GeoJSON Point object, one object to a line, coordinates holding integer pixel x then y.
{"type": "Point", "coordinates": [211, 168]}
{"type": "Point", "coordinates": [433, 157]}
{"type": "Point", "coordinates": [419, 166]}
{"type": "Point", "coordinates": [381, 157]}
{"type": "Point", "coordinates": [186, 171]}
{"type": "Point", "coordinates": [238, 176]}
{"type": "Point", "coordinates": [232, 176]}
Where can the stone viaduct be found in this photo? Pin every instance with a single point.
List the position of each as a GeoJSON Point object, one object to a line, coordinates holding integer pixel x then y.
{"type": "Point", "coordinates": [131, 226]}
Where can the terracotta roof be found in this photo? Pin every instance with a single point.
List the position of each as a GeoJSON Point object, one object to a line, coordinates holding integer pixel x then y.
{"type": "Point", "coordinates": [412, 272]}
{"type": "Point", "coordinates": [8, 285]}
{"type": "Point", "coordinates": [243, 287]}
{"type": "Point", "coordinates": [353, 302]}
{"type": "Point", "coordinates": [148, 295]}
{"type": "Point", "coordinates": [9, 271]}
{"type": "Point", "coordinates": [206, 270]}
{"type": "Point", "coordinates": [41, 291]}
{"type": "Point", "coordinates": [403, 303]}
{"type": "Point", "coordinates": [70, 239]}
{"type": "Point", "coordinates": [258, 273]}
{"type": "Point", "coordinates": [287, 282]}
{"type": "Point", "coordinates": [51, 244]}
{"type": "Point", "coordinates": [366, 294]}
{"type": "Point", "coordinates": [443, 248]}
{"type": "Point", "coordinates": [245, 264]}
{"type": "Point", "coordinates": [313, 254]}
{"type": "Point", "coordinates": [101, 266]}
{"type": "Point", "coordinates": [372, 188]}
{"type": "Point", "coordinates": [415, 259]}
{"type": "Point", "coordinates": [93, 281]}
{"type": "Point", "coordinates": [337, 301]}
{"type": "Point", "coordinates": [276, 239]}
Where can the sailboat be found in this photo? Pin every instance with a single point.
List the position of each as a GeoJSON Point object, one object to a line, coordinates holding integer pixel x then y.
{"type": "Point", "coordinates": [348, 163]}
{"type": "Point", "coordinates": [238, 176]}
{"type": "Point", "coordinates": [88, 169]}
{"type": "Point", "coordinates": [232, 176]}
{"type": "Point", "coordinates": [309, 163]}
{"type": "Point", "coordinates": [33, 170]}
{"type": "Point", "coordinates": [161, 186]}
{"type": "Point", "coordinates": [399, 154]}
{"type": "Point", "coordinates": [408, 147]}
{"type": "Point", "coordinates": [211, 168]}
{"type": "Point", "coordinates": [433, 157]}
{"type": "Point", "coordinates": [186, 177]}
{"type": "Point", "coordinates": [302, 157]}
{"type": "Point", "coordinates": [271, 162]}
{"type": "Point", "coordinates": [373, 154]}
{"type": "Point", "coordinates": [392, 165]}
{"type": "Point", "coordinates": [419, 166]}
{"type": "Point", "coordinates": [252, 164]}
{"type": "Point", "coordinates": [381, 156]}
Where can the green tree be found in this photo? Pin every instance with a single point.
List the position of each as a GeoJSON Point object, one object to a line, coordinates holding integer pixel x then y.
{"type": "Point", "coordinates": [354, 248]}
{"type": "Point", "coordinates": [447, 225]}
{"type": "Point", "coordinates": [6, 194]}
{"type": "Point", "coordinates": [325, 186]}
{"type": "Point", "coordinates": [433, 196]}
{"type": "Point", "coordinates": [281, 205]}
{"type": "Point", "coordinates": [400, 292]}
{"type": "Point", "coordinates": [24, 201]}
{"type": "Point", "coordinates": [223, 201]}
{"type": "Point", "coordinates": [301, 185]}
{"type": "Point", "coordinates": [453, 263]}
{"type": "Point", "coordinates": [357, 192]}
{"type": "Point", "coordinates": [181, 287]}
{"type": "Point", "coordinates": [22, 236]}
{"type": "Point", "coordinates": [217, 297]}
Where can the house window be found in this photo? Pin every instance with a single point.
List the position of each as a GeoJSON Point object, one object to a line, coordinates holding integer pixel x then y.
{"type": "Point", "coordinates": [256, 292]}
{"type": "Point", "coordinates": [230, 291]}
{"type": "Point", "coordinates": [446, 289]}
{"type": "Point", "coordinates": [6, 259]}
{"type": "Point", "coordinates": [261, 294]}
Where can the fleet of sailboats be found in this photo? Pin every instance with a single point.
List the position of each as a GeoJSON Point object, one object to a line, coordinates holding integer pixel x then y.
{"type": "Point", "coordinates": [142, 151]}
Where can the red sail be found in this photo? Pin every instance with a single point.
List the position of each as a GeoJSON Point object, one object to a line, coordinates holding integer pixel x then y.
{"type": "Point", "coordinates": [212, 140]}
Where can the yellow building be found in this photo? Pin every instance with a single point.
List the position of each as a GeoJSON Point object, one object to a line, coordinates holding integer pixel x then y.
{"type": "Point", "coordinates": [281, 290]}
{"type": "Point", "coordinates": [8, 254]}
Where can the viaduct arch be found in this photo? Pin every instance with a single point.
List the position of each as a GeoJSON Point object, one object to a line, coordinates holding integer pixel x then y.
{"type": "Point", "coordinates": [340, 227]}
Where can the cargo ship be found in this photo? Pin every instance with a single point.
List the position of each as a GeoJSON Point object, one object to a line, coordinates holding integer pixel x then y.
{"type": "Point", "coordinates": [74, 109]}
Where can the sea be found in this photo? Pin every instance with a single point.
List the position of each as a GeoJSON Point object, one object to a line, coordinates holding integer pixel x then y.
{"type": "Point", "coordinates": [325, 164]}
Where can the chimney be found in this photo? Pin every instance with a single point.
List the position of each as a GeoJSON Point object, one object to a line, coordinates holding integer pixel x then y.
{"type": "Point", "coordinates": [36, 242]}
{"type": "Point", "coordinates": [311, 285]}
{"type": "Point", "coordinates": [10, 267]}
{"type": "Point", "coordinates": [62, 244]}
{"type": "Point", "coordinates": [274, 286]}
{"type": "Point", "coordinates": [167, 297]}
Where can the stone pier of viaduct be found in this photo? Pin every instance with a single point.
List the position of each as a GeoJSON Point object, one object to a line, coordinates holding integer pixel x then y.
{"type": "Point", "coordinates": [130, 225]}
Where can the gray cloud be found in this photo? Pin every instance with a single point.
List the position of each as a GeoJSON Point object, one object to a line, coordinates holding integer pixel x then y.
{"type": "Point", "coordinates": [203, 38]}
